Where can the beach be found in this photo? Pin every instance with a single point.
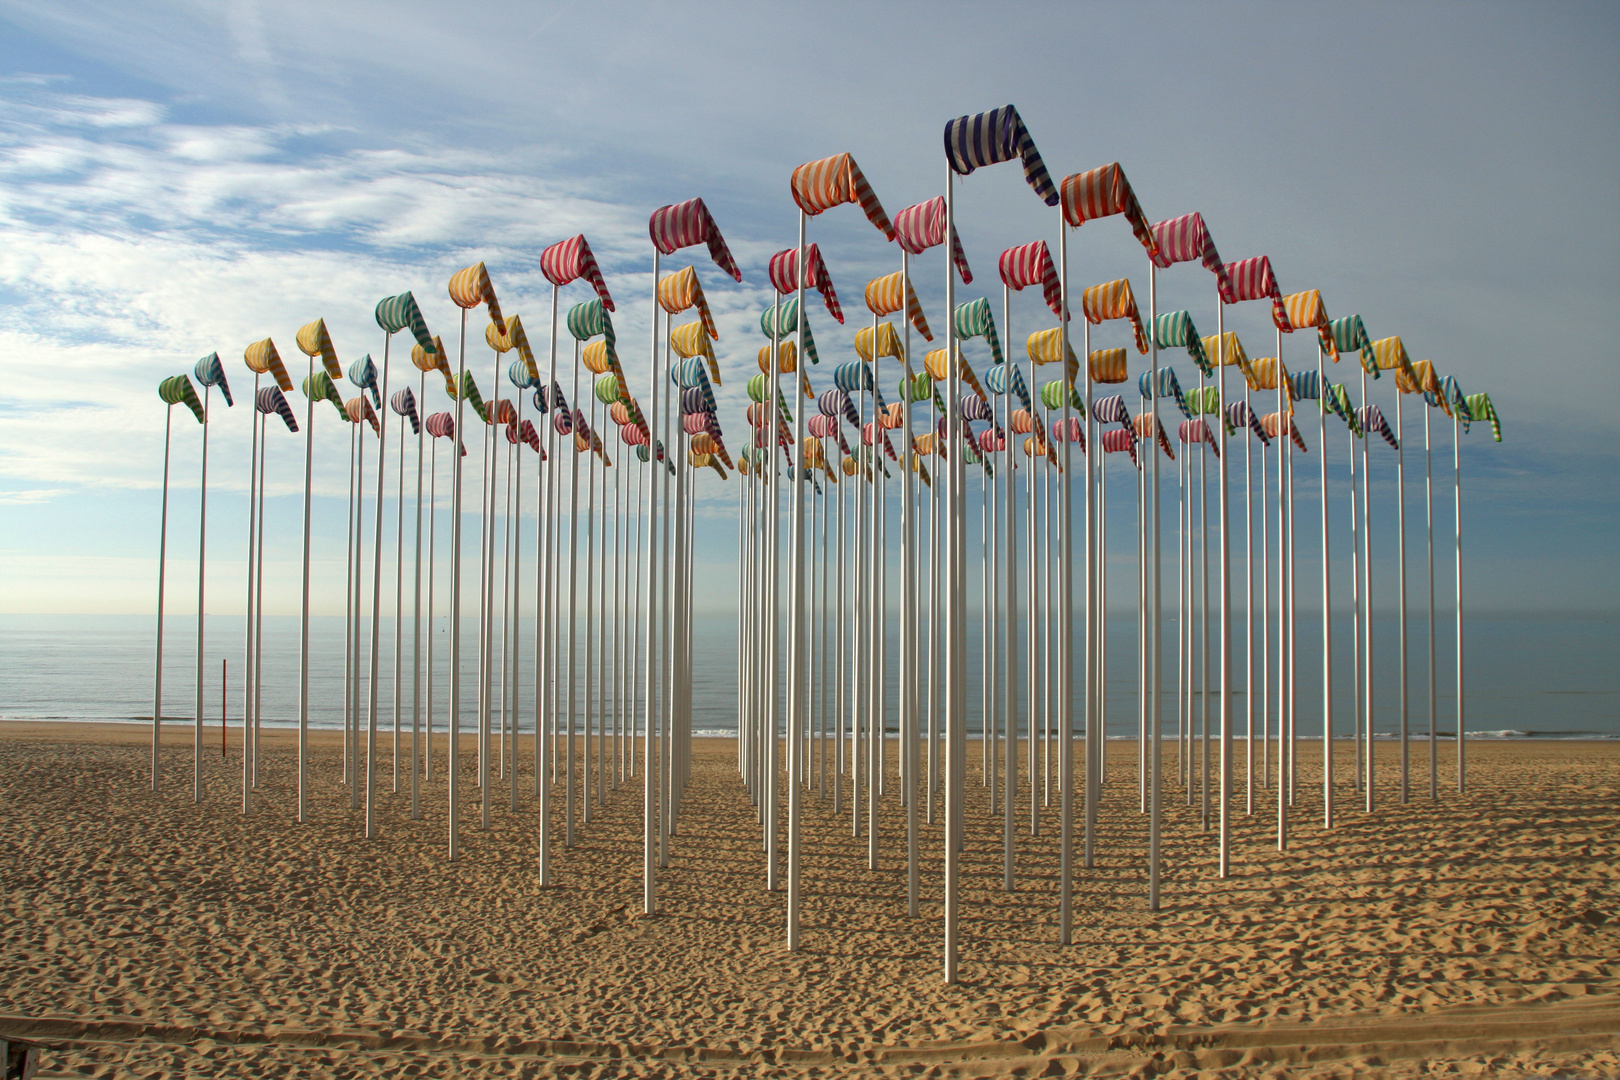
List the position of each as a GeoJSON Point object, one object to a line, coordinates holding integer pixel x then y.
{"type": "Point", "coordinates": [147, 936]}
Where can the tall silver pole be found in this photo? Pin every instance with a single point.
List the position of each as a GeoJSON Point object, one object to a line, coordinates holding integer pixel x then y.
{"type": "Point", "coordinates": [202, 577]}
{"type": "Point", "coordinates": [255, 430]}
{"type": "Point", "coordinates": [163, 563]}
{"type": "Point", "coordinates": [649, 852]}
{"type": "Point", "coordinates": [376, 601]}
{"type": "Point", "coordinates": [1327, 598]}
{"type": "Point", "coordinates": [1400, 586]}
{"type": "Point", "coordinates": [303, 629]}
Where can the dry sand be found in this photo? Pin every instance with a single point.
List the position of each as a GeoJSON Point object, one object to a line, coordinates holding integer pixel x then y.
{"type": "Point", "coordinates": [145, 936]}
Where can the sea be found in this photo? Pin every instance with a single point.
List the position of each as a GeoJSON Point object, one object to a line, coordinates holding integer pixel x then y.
{"type": "Point", "coordinates": [1551, 676]}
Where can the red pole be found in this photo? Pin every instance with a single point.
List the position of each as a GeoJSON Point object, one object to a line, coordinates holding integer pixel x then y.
{"type": "Point", "coordinates": [224, 666]}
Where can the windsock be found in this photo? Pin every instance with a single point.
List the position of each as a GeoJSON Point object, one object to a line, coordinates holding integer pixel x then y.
{"type": "Point", "coordinates": [784, 276]}
{"type": "Point", "coordinates": [571, 259]}
{"type": "Point", "coordinates": [262, 358]}
{"type": "Point", "coordinates": [320, 387]}
{"type": "Point", "coordinates": [1103, 192]}
{"type": "Point", "coordinates": [359, 410]}
{"type": "Point", "coordinates": [1184, 239]}
{"type": "Point", "coordinates": [396, 313]}
{"type": "Point", "coordinates": [210, 372]}
{"type": "Point", "coordinates": [681, 225]}
{"type": "Point", "coordinates": [425, 360]}
{"type": "Point", "coordinates": [921, 227]}
{"type": "Point", "coordinates": [363, 373]}
{"type": "Point", "coordinates": [404, 404]}
{"type": "Point", "coordinates": [471, 287]}
{"type": "Point", "coordinates": [313, 340]}
{"type": "Point", "coordinates": [272, 400]}
{"type": "Point", "coordinates": [177, 390]}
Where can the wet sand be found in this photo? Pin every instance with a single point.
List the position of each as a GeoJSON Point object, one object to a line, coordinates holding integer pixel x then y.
{"type": "Point", "coordinates": [147, 936]}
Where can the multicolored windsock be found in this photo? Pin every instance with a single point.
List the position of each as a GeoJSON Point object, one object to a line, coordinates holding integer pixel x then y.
{"type": "Point", "coordinates": [320, 387]}
{"type": "Point", "coordinates": [1252, 279]}
{"type": "Point", "coordinates": [272, 400]}
{"type": "Point", "coordinates": [1169, 387]}
{"type": "Point", "coordinates": [974, 319]}
{"type": "Point", "coordinates": [442, 425]}
{"type": "Point", "coordinates": [1047, 347]}
{"type": "Point", "coordinates": [934, 364]}
{"type": "Point", "coordinates": [1197, 431]}
{"type": "Point", "coordinates": [313, 340]}
{"type": "Point", "coordinates": [1451, 390]}
{"type": "Point", "coordinates": [358, 409]}
{"type": "Point", "coordinates": [425, 360]}
{"type": "Point", "coordinates": [1306, 386]}
{"type": "Point", "coordinates": [396, 313]}
{"type": "Point", "coordinates": [263, 359]}
{"type": "Point", "coordinates": [1273, 425]}
{"type": "Point", "coordinates": [471, 287]}
{"type": "Point", "coordinates": [569, 260]}
{"type": "Point", "coordinates": [363, 373]}
{"type": "Point", "coordinates": [1114, 300]}
{"type": "Point", "coordinates": [921, 227]}
{"type": "Point", "coordinates": [997, 378]}
{"type": "Point", "coordinates": [1480, 407]}
{"type": "Point", "coordinates": [1111, 410]}
{"type": "Point", "coordinates": [1104, 192]}
{"type": "Point", "coordinates": [512, 337]}
{"type": "Point", "coordinates": [787, 324]}
{"type": "Point", "coordinates": [177, 390]}
{"type": "Point", "coordinates": [1108, 365]}
{"type": "Point", "coordinates": [1239, 416]}
{"type": "Point", "coordinates": [210, 372]}
{"type": "Point", "coordinates": [1391, 356]}
{"type": "Point", "coordinates": [1349, 334]}
{"type": "Point", "coordinates": [1175, 330]}
{"type": "Point", "coordinates": [1052, 396]}
{"type": "Point", "coordinates": [1306, 309]}
{"type": "Point", "coordinates": [888, 342]}
{"type": "Point", "coordinates": [1227, 350]}
{"type": "Point", "coordinates": [988, 138]}
{"type": "Point", "coordinates": [1031, 264]}
{"type": "Point", "coordinates": [1206, 401]}
{"type": "Point", "coordinates": [404, 404]}
{"type": "Point", "coordinates": [1373, 422]}
{"type": "Point", "coordinates": [1184, 239]}
{"type": "Point", "coordinates": [888, 294]}
{"type": "Point", "coordinates": [681, 225]}
{"type": "Point", "coordinates": [1269, 374]}
{"type": "Point", "coordinates": [1425, 381]}
{"type": "Point", "coordinates": [525, 434]}
{"type": "Point", "coordinates": [1120, 441]}
{"type": "Point", "coordinates": [469, 390]}
{"type": "Point", "coordinates": [784, 277]}
{"type": "Point", "coordinates": [852, 377]}
{"type": "Point", "coordinates": [682, 290]}
{"type": "Point", "coordinates": [1076, 432]}
{"type": "Point", "coordinates": [500, 411]}
{"type": "Point", "coordinates": [1146, 425]}
{"type": "Point", "coordinates": [586, 321]}
{"type": "Point", "coordinates": [822, 185]}
{"type": "Point", "coordinates": [690, 341]}
{"type": "Point", "coordinates": [518, 375]}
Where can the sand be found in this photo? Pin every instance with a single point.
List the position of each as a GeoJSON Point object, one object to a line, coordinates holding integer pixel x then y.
{"type": "Point", "coordinates": [145, 936]}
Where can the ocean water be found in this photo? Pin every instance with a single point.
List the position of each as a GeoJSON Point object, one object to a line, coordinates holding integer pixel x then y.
{"type": "Point", "coordinates": [1551, 676]}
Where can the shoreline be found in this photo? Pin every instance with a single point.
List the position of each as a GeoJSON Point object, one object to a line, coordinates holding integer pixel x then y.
{"type": "Point", "coordinates": [12, 727]}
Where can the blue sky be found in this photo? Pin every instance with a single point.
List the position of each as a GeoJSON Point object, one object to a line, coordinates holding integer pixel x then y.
{"type": "Point", "coordinates": [180, 178]}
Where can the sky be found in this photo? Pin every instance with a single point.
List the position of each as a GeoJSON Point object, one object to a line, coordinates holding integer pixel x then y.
{"type": "Point", "coordinates": [179, 178]}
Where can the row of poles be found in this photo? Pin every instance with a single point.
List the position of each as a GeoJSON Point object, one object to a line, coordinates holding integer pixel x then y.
{"type": "Point", "coordinates": [812, 649]}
